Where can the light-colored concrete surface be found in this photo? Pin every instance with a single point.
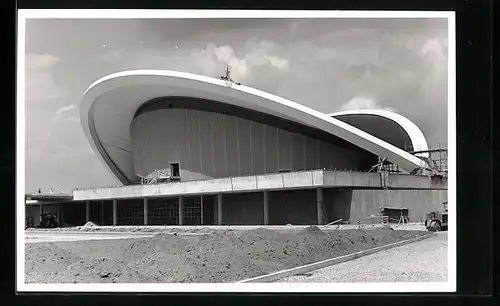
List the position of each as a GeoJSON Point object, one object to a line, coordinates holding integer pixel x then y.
{"type": "Point", "coordinates": [126, 232]}
{"type": "Point", "coordinates": [424, 261]}
{"type": "Point", "coordinates": [207, 228]}
{"type": "Point", "coordinates": [297, 179]}
{"type": "Point", "coordinates": [55, 237]}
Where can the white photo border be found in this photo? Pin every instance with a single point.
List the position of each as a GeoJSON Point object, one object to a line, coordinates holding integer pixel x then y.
{"type": "Point", "coordinates": [23, 15]}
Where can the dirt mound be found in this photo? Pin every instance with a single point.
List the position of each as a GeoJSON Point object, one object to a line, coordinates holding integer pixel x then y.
{"type": "Point", "coordinates": [90, 224]}
{"type": "Point", "coordinates": [313, 230]}
{"type": "Point", "coordinates": [259, 234]}
{"type": "Point", "coordinates": [46, 257]}
{"type": "Point", "coordinates": [225, 256]}
{"type": "Point", "coordinates": [158, 243]}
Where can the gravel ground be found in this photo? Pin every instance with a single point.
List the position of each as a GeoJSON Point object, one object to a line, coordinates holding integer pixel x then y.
{"type": "Point", "coordinates": [423, 261]}
{"type": "Point", "coordinates": [216, 257]}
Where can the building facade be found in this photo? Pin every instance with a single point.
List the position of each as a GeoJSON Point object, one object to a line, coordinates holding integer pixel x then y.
{"type": "Point", "coordinates": [240, 155]}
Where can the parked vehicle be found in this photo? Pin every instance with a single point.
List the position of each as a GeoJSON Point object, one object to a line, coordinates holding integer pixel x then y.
{"type": "Point", "coordinates": [437, 220]}
{"type": "Point", "coordinates": [48, 221]}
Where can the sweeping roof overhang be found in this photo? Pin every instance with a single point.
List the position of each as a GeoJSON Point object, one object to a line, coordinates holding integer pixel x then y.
{"type": "Point", "coordinates": [377, 116]}
{"type": "Point", "coordinates": [110, 103]}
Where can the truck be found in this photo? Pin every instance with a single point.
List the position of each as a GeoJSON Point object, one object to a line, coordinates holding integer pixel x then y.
{"type": "Point", "coordinates": [437, 220]}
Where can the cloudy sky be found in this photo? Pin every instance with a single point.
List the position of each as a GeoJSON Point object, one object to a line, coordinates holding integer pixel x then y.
{"type": "Point", "coordinates": [325, 64]}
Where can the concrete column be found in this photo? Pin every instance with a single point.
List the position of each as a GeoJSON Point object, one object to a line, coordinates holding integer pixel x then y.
{"type": "Point", "coordinates": [41, 212]}
{"type": "Point", "coordinates": [219, 209]}
{"type": "Point", "coordinates": [201, 209]}
{"type": "Point", "coordinates": [181, 211]}
{"type": "Point", "coordinates": [145, 211]}
{"type": "Point", "coordinates": [266, 208]}
{"type": "Point", "coordinates": [61, 217]}
{"type": "Point", "coordinates": [166, 211]}
{"type": "Point", "coordinates": [102, 212]}
{"type": "Point", "coordinates": [115, 214]}
{"type": "Point", "coordinates": [319, 204]}
{"type": "Point", "coordinates": [87, 211]}
{"type": "Point", "coordinates": [59, 214]}
{"type": "Point", "coordinates": [215, 210]}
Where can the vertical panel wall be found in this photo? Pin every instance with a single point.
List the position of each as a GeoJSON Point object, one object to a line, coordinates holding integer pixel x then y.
{"type": "Point", "coordinates": [207, 154]}
{"type": "Point", "coordinates": [211, 145]}
{"type": "Point", "coordinates": [257, 147]}
{"type": "Point", "coordinates": [419, 202]}
{"type": "Point", "coordinates": [271, 149]}
{"type": "Point", "coordinates": [232, 149]}
{"type": "Point", "coordinates": [194, 138]}
{"type": "Point", "coordinates": [245, 149]}
{"type": "Point", "coordinates": [219, 145]}
{"type": "Point", "coordinates": [284, 141]}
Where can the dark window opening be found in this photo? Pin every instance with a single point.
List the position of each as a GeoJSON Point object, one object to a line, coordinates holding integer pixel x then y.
{"type": "Point", "coordinates": [175, 170]}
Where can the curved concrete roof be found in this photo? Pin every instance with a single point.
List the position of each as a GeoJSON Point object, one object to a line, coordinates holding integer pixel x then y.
{"type": "Point", "coordinates": [418, 141]}
{"type": "Point", "coordinates": [109, 105]}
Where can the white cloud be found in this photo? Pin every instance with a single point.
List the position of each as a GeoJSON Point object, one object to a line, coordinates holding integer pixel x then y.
{"type": "Point", "coordinates": [61, 114]}
{"type": "Point", "coordinates": [40, 83]}
{"type": "Point", "coordinates": [361, 102]}
{"type": "Point", "coordinates": [209, 60]}
{"type": "Point", "coordinates": [434, 46]}
{"type": "Point", "coordinates": [40, 61]}
{"type": "Point", "coordinates": [64, 109]}
{"type": "Point", "coordinates": [257, 55]}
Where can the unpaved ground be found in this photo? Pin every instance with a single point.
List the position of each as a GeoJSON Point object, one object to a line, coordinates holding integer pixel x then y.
{"type": "Point", "coordinates": [222, 256]}
{"type": "Point", "coordinates": [423, 261]}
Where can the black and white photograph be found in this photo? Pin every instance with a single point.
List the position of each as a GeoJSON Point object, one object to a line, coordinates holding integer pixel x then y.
{"type": "Point", "coordinates": [282, 151]}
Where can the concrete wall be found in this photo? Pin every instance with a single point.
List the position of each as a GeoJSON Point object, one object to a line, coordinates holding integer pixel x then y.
{"type": "Point", "coordinates": [243, 209]}
{"type": "Point", "coordinates": [295, 207]}
{"type": "Point", "coordinates": [337, 203]}
{"type": "Point", "coordinates": [213, 145]}
{"type": "Point", "coordinates": [419, 202]}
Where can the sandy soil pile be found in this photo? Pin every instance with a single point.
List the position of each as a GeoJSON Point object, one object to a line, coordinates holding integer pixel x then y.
{"type": "Point", "coordinates": [217, 257]}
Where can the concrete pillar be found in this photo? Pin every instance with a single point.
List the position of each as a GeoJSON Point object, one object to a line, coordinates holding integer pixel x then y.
{"type": "Point", "coordinates": [87, 211]}
{"type": "Point", "coordinates": [59, 213]}
{"type": "Point", "coordinates": [61, 216]}
{"type": "Point", "coordinates": [219, 209]}
{"type": "Point", "coordinates": [181, 211]}
{"type": "Point", "coordinates": [115, 213]}
{"type": "Point", "coordinates": [319, 204]}
{"type": "Point", "coordinates": [145, 211]}
{"type": "Point", "coordinates": [215, 210]}
{"type": "Point", "coordinates": [41, 212]}
{"type": "Point", "coordinates": [266, 208]}
{"type": "Point", "coordinates": [201, 209]}
{"type": "Point", "coordinates": [166, 211]}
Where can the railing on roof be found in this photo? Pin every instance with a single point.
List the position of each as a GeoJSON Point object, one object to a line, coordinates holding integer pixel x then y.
{"type": "Point", "coordinates": [158, 177]}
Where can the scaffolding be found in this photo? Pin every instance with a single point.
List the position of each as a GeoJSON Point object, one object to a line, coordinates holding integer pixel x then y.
{"type": "Point", "coordinates": [436, 157]}
{"type": "Point", "coordinates": [159, 176]}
